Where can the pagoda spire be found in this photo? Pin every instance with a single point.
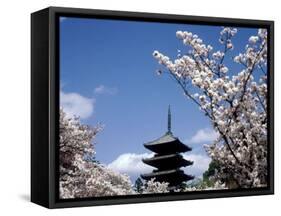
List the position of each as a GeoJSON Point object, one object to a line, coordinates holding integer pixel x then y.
{"type": "Point", "coordinates": [169, 120]}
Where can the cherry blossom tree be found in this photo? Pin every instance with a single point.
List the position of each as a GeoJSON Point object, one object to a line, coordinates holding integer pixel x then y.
{"type": "Point", "coordinates": [80, 177]}
{"type": "Point", "coordinates": [235, 102]}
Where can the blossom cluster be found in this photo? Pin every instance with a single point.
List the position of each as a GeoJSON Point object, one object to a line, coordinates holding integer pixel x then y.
{"type": "Point", "coordinates": [80, 177]}
{"type": "Point", "coordinates": [153, 186]}
{"type": "Point", "coordinates": [216, 186]}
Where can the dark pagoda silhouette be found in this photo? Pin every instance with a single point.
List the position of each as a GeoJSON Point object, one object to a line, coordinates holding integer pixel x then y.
{"type": "Point", "coordinates": [168, 159]}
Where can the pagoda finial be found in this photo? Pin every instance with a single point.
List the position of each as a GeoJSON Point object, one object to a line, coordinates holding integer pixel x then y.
{"type": "Point", "coordinates": [169, 120]}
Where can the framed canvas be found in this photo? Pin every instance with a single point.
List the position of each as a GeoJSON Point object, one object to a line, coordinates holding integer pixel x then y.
{"type": "Point", "coordinates": [139, 107]}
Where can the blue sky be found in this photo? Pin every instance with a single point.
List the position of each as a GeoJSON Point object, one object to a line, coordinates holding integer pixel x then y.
{"type": "Point", "coordinates": [107, 76]}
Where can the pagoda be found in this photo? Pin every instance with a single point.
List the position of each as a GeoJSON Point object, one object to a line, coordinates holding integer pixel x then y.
{"type": "Point", "coordinates": [168, 159]}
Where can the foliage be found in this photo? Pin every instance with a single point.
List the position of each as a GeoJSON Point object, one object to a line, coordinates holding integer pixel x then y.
{"type": "Point", "coordinates": [235, 103]}
{"type": "Point", "coordinates": [208, 175]}
{"type": "Point", "coordinates": [139, 184]}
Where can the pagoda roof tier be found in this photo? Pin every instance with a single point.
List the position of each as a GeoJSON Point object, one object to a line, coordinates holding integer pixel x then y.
{"type": "Point", "coordinates": [167, 144]}
{"type": "Point", "coordinates": [170, 161]}
{"type": "Point", "coordinates": [173, 177]}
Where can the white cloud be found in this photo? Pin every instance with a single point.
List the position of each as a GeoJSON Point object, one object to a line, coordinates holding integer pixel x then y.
{"type": "Point", "coordinates": [131, 164]}
{"type": "Point", "coordinates": [204, 135]}
{"type": "Point", "coordinates": [200, 164]}
{"type": "Point", "coordinates": [75, 104]}
{"type": "Point", "coordinates": [101, 89]}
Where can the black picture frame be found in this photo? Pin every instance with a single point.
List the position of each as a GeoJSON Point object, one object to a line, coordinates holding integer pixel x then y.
{"type": "Point", "coordinates": [45, 106]}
